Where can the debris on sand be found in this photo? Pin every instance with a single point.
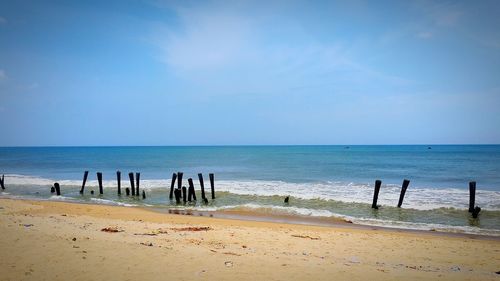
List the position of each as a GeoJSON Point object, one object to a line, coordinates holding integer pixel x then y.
{"type": "Point", "coordinates": [192, 228]}
{"type": "Point", "coordinates": [111, 229]}
{"type": "Point", "coordinates": [305, 236]}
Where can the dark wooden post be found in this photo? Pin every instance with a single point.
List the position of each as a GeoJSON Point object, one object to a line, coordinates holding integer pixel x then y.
{"type": "Point", "coordinates": [472, 196]}
{"type": "Point", "coordinates": [375, 194]}
{"type": "Point", "coordinates": [58, 189]}
{"type": "Point", "coordinates": [202, 185]}
{"type": "Point", "coordinates": [2, 183]}
{"type": "Point", "coordinates": [403, 191]}
{"type": "Point", "coordinates": [191, 191]}
{"type": "Point", "coordinates": [85, 175]}
{"type": "Point", "coordinates": [177, 193]}
{"type": "Point", "coordinates": [132, 186]}
{"type": "Point", "coordinates": [184, 195]}
{"type": "Point", "coordinates": [99, 179]}
{"type": "Point", "coordinates": [172, 183]}
{"type": "Point", "coordinates": [119, 181]}
{"type": "Point", "coordinates": [127, 191]}
{"type": "Point", "coordinates": [52, 189]}
{"type": "Point", "coordinates": [143, 194]}
{"type": "Point", "coordinates": [475, 212]}
{"type": "Point", "coordinates": [179, 180]}
{"type": "Point", "coordinates": [137, 179]}
{"type": "Point", "coordinates": [287, 199]}
{"type": "Point", "coordinates": [212, 187]}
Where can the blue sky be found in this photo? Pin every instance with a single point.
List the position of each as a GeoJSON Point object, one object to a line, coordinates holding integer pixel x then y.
{"type": "Point", "coordinates": [249, 72]}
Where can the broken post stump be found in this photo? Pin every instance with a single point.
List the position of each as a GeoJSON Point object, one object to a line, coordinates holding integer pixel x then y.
{"type": "Point", "coordinates": [475, 212]}
{"type": "Point", "coordinates": [403, 191]}
{"type": "Point", "coordinates": [132, 186]}
{"type": "Point", "coordinates": [287, 199]}
{"type": "Point", "coordinates": [99, 180]}
{"type": "Point", "coordinates": [184, 195]}
{"type": "Point", "coordinates": [172, 183]}
{"type": "Point", "coordinates": [58, 189]}
{"type": "Point", "coordinates": [127, 191]}
{"type": "Point", "coordinates": [119, 181]}
{"type": "Point", "coordinates": [2, 182]}
{"type": "Point", "coordinates": [375, 194]}
{"type": "Point", "coordinates": [202, 185]}
{"type": "Point", "coordinates": [191, 189]}
{"type": "Point", "coordinates": [177, 193]}
{"type": "Point", "coordinates": [143, 194]}
{"type": "Point", "coordinates": [85, 175]}
{"type": "Point", "coordinates": [472, 196]}
{"type": "Point", "coordinates": [212, 187]}
{"type": "Point", "coordinates": [52, 189]}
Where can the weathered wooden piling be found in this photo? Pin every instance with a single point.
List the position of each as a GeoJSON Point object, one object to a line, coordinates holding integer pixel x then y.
{"type": "Point", "coordinates": [143, 194]}
{"type": "Point", "coordinates": [99, 180]}
{"type": "Point", "coordinates": [172, 183]}
{"type": "Point", "coordinates": [287, 199]}
{"type": "Point", "coordinates": [119, 181]}
{"type": "Point", "coordinates": [475, 212]}
{"type": "Point", "coordinates": [212, 187]}
{"type": "Point", "coordinates": [58, 189]}
{"type": "Point", "coordinates": [137, 180]}
{"type": "Point", "coordinates": [472, 196]}
{"type": "Point", "coordinates": [375, 194]}
{"type": "Point", "coordinates": [132, 186]}
{"type": "Point", "coordinates": [85, 175]}
{"type": "Point", "coordinates": [2, 182]}
{"type": "Point", "coordinates": [179, 179]}
{"type": "Point", "coordinates": [403, 191]}
{"type": "Point", "coordinates": [52, 189]}
{"type": "Point", "coordinates": [177, 193]}
{"type": "Point", "coordinates": [184, 194]}
{"type": "Point", "coordinates": [202, 185]}
{"type": "Point", "coordinates": [127, 191]}
{"type": "Point", "coordinates": [191, 191]}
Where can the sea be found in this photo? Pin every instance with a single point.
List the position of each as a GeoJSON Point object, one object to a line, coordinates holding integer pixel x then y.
{"type": "Point", "coordinates": [324, 181]}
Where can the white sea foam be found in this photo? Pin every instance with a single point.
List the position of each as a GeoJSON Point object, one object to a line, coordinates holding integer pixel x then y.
{"type": "Point", "coordinates": [420, 198]}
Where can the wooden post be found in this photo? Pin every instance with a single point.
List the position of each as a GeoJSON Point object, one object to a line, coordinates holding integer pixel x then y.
{"type": "Point", "coordinates": [202, 185]}
{"type": "Point", "coordinates": [119, 181]}
{"type": "Point", "coordinates": [2, 183]}
{"type": "Point", "coordinates": [184, 195]}
{"type": "Point", "coordinates": [375, 194]}
{"type": "Point", "coordinates": [85, 175]}
{"type": "Point", "coordinates": [172, 183]}
{"type": "Point", "coordinates": [191, 191]}
{"type": "Point", "coordinates": [179, 180]}
{"type": "Point", "coordinates": [137, 179]}
{"type": "Point", "coordinates": [58, 189]}
{"type": "Point", "coordinates": [99, 179]}
{"type": "Point", "coordinates": [211, 176]}
{"type": "Point", "coordinates": [287, 199]}
{"type": "Point", "coordinates": [403, 191]}
{"type": "Point", "coordinates": [127, 191]}
{"type": "Point", "coordinates": [52, 189]}
{"type": "Point", "coordinates": [472, 196]}
{"type": "Point", "coordinates": [132, 186]}
{"type": "Point", "coordinates": [143, 194]}
{"type": "Point", "coordinates": [177, 192]}
{"type": "Point", "coordinates": [475, 212]}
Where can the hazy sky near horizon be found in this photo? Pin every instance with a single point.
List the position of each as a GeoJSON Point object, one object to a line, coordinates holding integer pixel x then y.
{"type": "Point", "coordinates": [249, 72]}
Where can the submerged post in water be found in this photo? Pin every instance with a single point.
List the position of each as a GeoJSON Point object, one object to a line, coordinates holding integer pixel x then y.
{"type": "Point", "coordinates": [127, 191]}
{"type": "Point", "coordinates": [472, 196]}
{"type": "Point", "coordinates": [137, 179]}
{"type": "Point", "coordinates": [375, 194]}
{"type": "Point", "coordinates": [143, 194]}
{"type": "Point", "coordinates": [179, 180]}
{"type": "Point", "coordinates": [99, 180]}
{"type": "Point", "coordinates": [132, 187]}
{"type": "Point", "coordinates": [177, 193]}
{"type": "Point", "coordinates": [403, 191]}
{"type": "Point", "coordinates": [119, 181]}
{"type": "Point", "coordinates": [184, 195]}
{"type": "Point", "coordinates": [58, 188]}
{"type": "Point", "coordinates": [85, 175]}
{"type": "Point", "coordinates": [172, 183]}
{"type": "Point", "coordinates": [202, 185]}
{"type": "Point", "coordinates": [212, 187]}
{"type": "Point", "coordinates": [2, 182]}
{"type": "Point", "coordinates": [191, 191]}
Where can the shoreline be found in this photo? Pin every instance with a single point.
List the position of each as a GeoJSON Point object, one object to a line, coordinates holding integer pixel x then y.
{"type": "Point", "coordinates": [48, 240]}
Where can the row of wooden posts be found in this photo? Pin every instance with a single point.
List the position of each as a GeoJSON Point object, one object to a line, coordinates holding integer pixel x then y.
{"type": "Point", "coordinates": [181, 192]}
{"type": "Point", "coordinates": [472, 196]}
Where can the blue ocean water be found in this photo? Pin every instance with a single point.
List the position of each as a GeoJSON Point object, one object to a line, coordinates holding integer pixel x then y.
{"type": "Point", "coordinates": [328, 181]}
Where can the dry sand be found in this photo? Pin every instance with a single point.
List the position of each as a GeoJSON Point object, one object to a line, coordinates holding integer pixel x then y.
{"type": "Point", "coordinates": [41, 240]}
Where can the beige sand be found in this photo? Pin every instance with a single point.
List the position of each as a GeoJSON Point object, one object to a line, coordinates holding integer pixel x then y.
{"type": "Point", "coordinates": [61, 241]}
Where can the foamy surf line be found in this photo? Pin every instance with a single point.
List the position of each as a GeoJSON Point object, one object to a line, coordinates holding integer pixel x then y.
{"type": "Point", "coordinates": [419, 198]}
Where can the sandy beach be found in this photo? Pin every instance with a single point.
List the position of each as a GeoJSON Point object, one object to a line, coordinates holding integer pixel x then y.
{"type": "Point", "coordinates": [43, 240]}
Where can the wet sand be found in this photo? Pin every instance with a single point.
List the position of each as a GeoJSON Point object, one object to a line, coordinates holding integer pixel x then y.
{"type": "Point", "coordinates": [43, 240]}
